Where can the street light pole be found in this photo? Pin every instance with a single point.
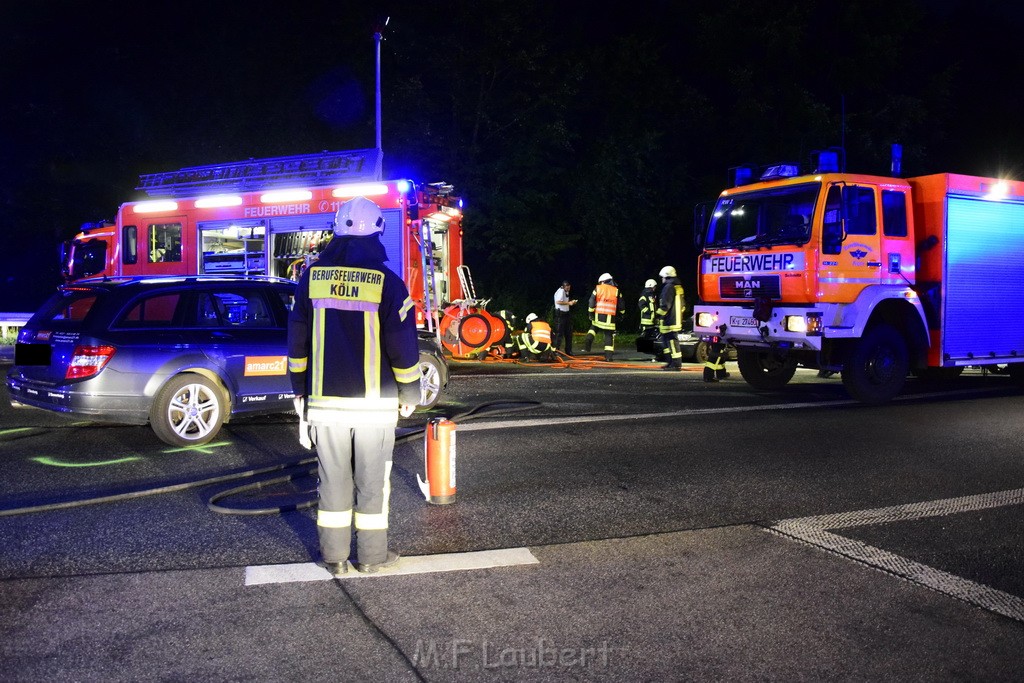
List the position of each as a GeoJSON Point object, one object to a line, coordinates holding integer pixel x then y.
{"type": "Point", "coordinates": [378, 37]}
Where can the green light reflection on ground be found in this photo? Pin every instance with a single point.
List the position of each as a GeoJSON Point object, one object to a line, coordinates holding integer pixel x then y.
{"type": "Point", "coordinates": [204, 448]}
{"type": "Point", "coordinates": [54, 462]}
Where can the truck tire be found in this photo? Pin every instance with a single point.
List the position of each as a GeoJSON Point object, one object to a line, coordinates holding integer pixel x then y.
{"type": "Point", "coordinates": [876, 368]}
{"type": "Point", "coordinates": [431, 381]}
{"type": "Point", "coordinates": [765, 369]}
{"type": "Point", "coordinates": [701, 352]}
{"type": "Point", "coordinates": [1016, 371]}
{"type": "Point", "coordinates": [188, 411]}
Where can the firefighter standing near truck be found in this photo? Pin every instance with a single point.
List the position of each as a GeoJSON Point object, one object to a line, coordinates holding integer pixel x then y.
{"type": "Point", "coordinates": [353, 359]}
{"type": "Point", "coordinates": [669, 315]}
{"type": "Point", "coordinates": [605, 304]}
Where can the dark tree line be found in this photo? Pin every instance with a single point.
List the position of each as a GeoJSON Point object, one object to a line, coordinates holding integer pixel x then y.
{"type": "Point", "coordinates": [581, 137]}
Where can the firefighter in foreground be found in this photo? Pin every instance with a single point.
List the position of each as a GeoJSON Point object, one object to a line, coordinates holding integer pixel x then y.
{"type": "Point", "coordinates": [354, 363]}
{"type": "Point", "coordinates": [535, 341]}
{"type": "Point", "coordinates": [670, 318]}
{"type": "Point", "coordinates": [605, 304]}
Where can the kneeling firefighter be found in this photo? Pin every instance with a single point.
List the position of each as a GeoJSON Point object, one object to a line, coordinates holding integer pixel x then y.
{"type": "Point", "coordinates": [509, 345]}
{"type": "Point", "coordinates": [536, 339]}
{"type": "Point", "coordinates": [714, 366]}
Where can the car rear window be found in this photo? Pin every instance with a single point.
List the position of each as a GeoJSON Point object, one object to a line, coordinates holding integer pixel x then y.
{"type": "Point", "coordinates": [72, 305]}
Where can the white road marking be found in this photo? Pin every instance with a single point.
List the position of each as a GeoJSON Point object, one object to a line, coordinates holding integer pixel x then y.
{"type": "Point", "coordinates": [479, 426]}
{"type": "Point", "coordinates": [815, 531]}
{"type": "Point", "coordinates": [419, 564]}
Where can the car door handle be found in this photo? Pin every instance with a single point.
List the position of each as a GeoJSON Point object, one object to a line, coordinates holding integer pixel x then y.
{"type": "Point", "coordinates": [222, 335]}
{"type": "Point", "coordinates": [874, 264]}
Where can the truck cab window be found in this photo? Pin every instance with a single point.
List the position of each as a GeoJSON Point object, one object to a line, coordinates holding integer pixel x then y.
{"type": "Point", "coordinates": [894, 213]}
{"type": "Point", "coordinates": [832, 223]}
{"type": "Point", "coordinates": [860, 208]}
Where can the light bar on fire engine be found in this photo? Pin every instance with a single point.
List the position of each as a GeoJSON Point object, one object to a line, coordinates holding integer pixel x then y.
{"type": "Point", "coordinates": [278, 196]}
{"type": "Point", "coordinates": [360, 190]}
{"type": "Point", "coordinates": [156, 206]}
{"type": "Point", "coordinates": [217, 200]}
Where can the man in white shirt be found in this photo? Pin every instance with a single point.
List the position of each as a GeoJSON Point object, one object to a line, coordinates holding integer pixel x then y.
{"type": "Point", "coordinates": [563, 319]}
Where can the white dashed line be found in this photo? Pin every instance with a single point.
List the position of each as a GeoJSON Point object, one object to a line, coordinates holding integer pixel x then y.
{"type": "Point", "coordinates": [418, 564]}
{"type": "Point", "coordinates": [479, 426]}
{"type": "Point", "coordinates": [815, 531]}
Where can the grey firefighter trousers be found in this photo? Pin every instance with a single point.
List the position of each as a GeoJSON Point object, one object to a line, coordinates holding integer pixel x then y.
{"type": "Point", "coordinates": [354, 464]}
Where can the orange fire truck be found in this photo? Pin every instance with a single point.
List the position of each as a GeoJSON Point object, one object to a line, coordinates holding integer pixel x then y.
{"type": "Point", "coordinates": [271, 217]}
{"type": "Point", "coordinates": [871, 277]}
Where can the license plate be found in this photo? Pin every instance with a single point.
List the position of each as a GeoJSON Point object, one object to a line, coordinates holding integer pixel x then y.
{"type": "Point", "coordinates": [31, 354]}
{"type": "Point", "coordinates": [737, 321]}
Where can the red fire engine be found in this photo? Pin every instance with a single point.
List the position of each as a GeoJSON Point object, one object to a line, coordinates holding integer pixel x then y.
{"type": "Point", "coordinates": [271, 217]}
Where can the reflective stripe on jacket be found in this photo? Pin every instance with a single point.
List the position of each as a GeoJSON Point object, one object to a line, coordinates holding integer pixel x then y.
{"type": "Point", "coordinates": [352, 336]}
{"type": "Point", "coordinates": [670, 307]}
{"type": "Point", "coordinates": [605, 303]}
{"type": "Point", "coordinates": [647, 304]}
{"type": "Point", "coordinates": [537, 337]}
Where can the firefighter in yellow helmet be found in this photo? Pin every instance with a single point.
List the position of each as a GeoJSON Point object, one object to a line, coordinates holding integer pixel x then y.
{"type": "Point", "coordinates": [669, 315]}
{"type": "Point", "coordinates": [535, 341]}
{"type": "Point", "coordinates": [353, 360]}
{"type": "Point", "coordinates": [605, 304]}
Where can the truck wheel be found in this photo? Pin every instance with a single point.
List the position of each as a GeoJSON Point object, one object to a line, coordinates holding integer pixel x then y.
{"type": "Point", "coordinates": [1016, 371]}
{"type": "Point", "coordinates": [188, 411]}
{"type": "Point", "coordinates": [764, 369]}
{"type": "Point", "coordinates": [876, 369]}
{"type": "Point", "coordinates": [700, 353]}
{"type": "Point", "coordinates": [430, 381]}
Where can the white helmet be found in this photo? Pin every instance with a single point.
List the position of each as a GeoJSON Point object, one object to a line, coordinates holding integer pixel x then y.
{"type": "Point", "coordinates": [650, 284]}
{"type": "Point", "coordinates": [667, 271]}
{"type": "Point", "coordinates": [358, 217]}
{"type": "Point", "coordinates": [604, 277]}
{"type": "Point", "coordinates": [530, 318]}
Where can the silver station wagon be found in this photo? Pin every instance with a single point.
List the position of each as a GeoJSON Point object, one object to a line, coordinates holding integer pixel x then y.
{"type": "Point", "coordinates": [183, 354]}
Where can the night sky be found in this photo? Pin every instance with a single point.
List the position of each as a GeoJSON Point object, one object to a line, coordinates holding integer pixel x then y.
{"type": "Point", "coordinates": [96, 94]}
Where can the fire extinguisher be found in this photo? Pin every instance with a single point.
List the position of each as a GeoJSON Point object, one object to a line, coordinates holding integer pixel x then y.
{"type": "Point", "coordinates": [439, 462]}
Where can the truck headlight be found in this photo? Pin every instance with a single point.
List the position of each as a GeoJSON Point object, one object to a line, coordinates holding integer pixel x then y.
{"type": "Point", "coordinates": [705, 319]}
{"type": "Point", "coordinates": [809, 324]}
{"type": "Point", "coordinates": [795, 323]}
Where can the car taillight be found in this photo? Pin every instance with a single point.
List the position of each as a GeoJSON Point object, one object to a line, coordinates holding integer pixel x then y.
{"type": "Point", "coordinates": [86, 361]}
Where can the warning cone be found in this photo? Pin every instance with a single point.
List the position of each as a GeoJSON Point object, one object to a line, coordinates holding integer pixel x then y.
{"type": "Point", "coordinates": [439, 462]}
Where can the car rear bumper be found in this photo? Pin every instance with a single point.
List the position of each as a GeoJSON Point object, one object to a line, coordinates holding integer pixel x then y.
{"type": "Point", "coordinates": [71, 399]}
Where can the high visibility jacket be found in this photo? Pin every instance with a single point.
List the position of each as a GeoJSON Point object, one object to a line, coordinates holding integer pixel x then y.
{"type": "Point", "coordinates": [648, 304]}
{"type": "Point", "coordinates": [605, 303]}
{"type": "Point", "coordinates": [537, 337]}
{"type": "Point", "coordinates": [352, 348]}
{"type": "Point", "coordinates": [670, 307]}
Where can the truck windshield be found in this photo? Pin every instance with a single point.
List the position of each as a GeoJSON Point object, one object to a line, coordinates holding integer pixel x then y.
{"type": "Point", "coordinates": [756, 219]}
